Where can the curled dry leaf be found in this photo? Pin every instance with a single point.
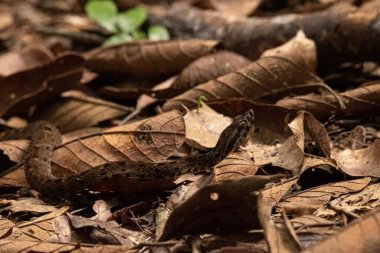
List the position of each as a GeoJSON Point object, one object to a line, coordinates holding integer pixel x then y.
{"type": "Point", "coordinates": [361, 235]}
{"type": "Point", "coordinates": [299, 49]}
{"type": "Point", "coordinates": [44, 83]}
{"type": "Point", "coordinates": [25, 59]}
{"type": "Point", "coordinates": [306, 202]}
{"type": "Point", "coordinates": [267, 78]}
{"type": "Point", "coordinates": [218, 208]}
{"type": "Point", "coordinates": [364, 99]}
{"type": "Point", "coordinates": [204, 127]}
{"type": "Point", "coordinates": [78, 110]}
{"type": "Point", "coordinates": [148, 58]}
{"type": "Point", "coordinates": [360, 162]}
{"type": "Point", "coordinates": [208, 67]}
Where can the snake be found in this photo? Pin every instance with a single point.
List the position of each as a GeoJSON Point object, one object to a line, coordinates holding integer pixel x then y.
{"type": "Point", "coordinates": [45, 137]}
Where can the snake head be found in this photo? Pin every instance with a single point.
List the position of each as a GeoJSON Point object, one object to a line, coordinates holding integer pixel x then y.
{"type": "Point", "coordinates": [233, 136]}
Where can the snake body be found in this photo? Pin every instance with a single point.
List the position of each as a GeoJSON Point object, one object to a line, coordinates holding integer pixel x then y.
{"type": "Point", "coordinates": [45, 137]}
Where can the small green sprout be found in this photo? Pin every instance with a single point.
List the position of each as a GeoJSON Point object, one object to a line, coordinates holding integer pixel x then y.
{"type": "Point", "coordinates": [200, 100]}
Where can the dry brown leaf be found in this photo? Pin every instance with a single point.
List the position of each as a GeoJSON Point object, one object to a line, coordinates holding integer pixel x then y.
{"type": "Point", "coordinates": [357, 203]}
{"type": "Point", "coordinates": [364, 99]}
{"type": "Point", "coordinates": [204, 127]}
{"type": "Point", "coordinates": [39, 229]}
{"type": "Point", "coordinates": [235, 7]}
{"type": "Point", "coordinates": [235, 166]}
{"type": "Point", "coordinates": [306, 202]}
{"type": "Point", "coordinates": [148, 58]}
{"type": "Point", "coordinates": [267, 78]}
{"type": "Point", "coordinates": [208, 67]}
{"type": "Point", "coordinates": [277, 235]}
{"type": "Point", "coordinates": [78, 110]}
{"type": "Point", "coordinates": [24, 59]}
{"type": "Point", "coordinates": [360, 162]}
{"type": "Point", "coordinates": [299, 49]}
{"type": "Point", "coordinates": [361, 236]}
{"type": "Point", "coordinates": [18, 246]}
{"type": "Point", "coordinates": [217, 208]}
{"type": "Point", "coordinates": [44, 83]}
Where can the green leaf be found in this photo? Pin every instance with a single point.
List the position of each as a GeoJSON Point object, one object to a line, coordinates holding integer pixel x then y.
{"type": "Point", "coordinates": [138, 35]}
{"type": "Point", "coordinates": [131, 19]}
{"type": "Point", "coordinates": [158, 32]}
{"type": "Point", "coordinates": [104, 12]}
{"type": "Point", "coordinates": [117, 39]}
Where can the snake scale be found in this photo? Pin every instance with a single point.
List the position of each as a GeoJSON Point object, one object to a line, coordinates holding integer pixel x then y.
{"type": "Point", "coordinates": [45, 137]}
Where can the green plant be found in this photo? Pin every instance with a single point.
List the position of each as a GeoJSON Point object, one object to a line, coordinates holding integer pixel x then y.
{"type": "Point", "coordinates": [125, 26]}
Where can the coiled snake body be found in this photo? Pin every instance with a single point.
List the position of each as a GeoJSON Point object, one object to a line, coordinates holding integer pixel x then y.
{"type": "Point", "coordinates": [45, 137]}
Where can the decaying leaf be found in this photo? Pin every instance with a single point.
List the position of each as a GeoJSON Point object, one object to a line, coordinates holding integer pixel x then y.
{"type": "Point", "coordinates": [199, 130]}
{"type": "Point", "coordinates": [364, 99]}
{"type": "Point", "coordinates": [77, 110]}
{"type": "Point", "coordinates": [267, 78]}
{"type": "Point", "coordinates": [362, 235]}
{"type": "Point", "coordinates": [308, 201]}
{"type": "Point", "coordinates": [142, 58]}
{"type": "Point", "coordinates": [360, 162]}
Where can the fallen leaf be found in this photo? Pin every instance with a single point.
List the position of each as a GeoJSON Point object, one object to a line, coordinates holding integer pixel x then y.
{"type": "Point", "coordinates": [306, 202]}
{"type": "Point", "coordinates": [364, 230]}
{"type": "Point", "coordinates": [204, 127]}
{"type": "Point", "coordinates": [360, 162]}
{"type": "Point", "coordinates": [299, 49]}
{"type": "Point", "coordinates": [267, 78]}
{"type": "Point", "coordinates": [208, 67]}
{"type": "Point", "coordinates": [237, 7]}
{"type": "Point", "coordinates": [142, 58]}
{"type": "Point", "coordinates": [357, 101]}
{"type": "Point", "coordinates": [77, 110]}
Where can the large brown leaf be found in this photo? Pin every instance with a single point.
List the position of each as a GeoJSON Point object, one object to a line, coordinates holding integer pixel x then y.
{"type": "Point", "coordinates": [236, 7]}
{"type": "Point", "coordinates": [77, 110]}
{"type": "Point", "coordinates": [267, 78]}
{"type": "Point", "coordinates": [148, 58]}
{"type": "Point", "coordinates": [364, 99]}
{"type": "Point", "coordinates": [44, 83]}
{"type": "Point", "coordinates": [361, 236]}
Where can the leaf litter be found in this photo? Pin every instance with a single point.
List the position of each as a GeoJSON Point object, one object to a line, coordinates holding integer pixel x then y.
{"type": "Point", "coordinates": [305, 180]}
